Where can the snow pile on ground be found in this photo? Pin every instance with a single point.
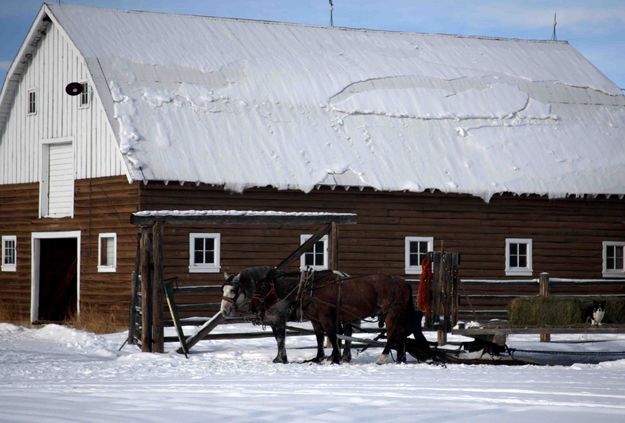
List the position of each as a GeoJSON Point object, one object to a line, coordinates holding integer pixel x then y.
{"type": "Point", "coordinates": [56, 374]}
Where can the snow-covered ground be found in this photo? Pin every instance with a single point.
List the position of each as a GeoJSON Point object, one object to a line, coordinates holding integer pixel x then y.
{"type": "Point", "coordinates": [57, 374]}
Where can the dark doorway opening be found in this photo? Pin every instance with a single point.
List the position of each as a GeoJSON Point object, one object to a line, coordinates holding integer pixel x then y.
{"type": "Point", "coordinates": [58, 286]}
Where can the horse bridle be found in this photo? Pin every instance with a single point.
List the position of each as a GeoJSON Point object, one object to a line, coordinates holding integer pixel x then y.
{"type": "Point", "coordinates": [236, 287]}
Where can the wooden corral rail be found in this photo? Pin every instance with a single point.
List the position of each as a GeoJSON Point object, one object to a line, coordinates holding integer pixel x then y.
{"type": "Point", "coordinates": [149, 265]}
{"type": "Point", "coordinates": [486, 299]}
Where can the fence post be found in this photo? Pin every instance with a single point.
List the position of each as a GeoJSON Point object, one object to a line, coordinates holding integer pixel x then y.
{"type": "Point", "coordinates": [157, 289]}
{"type": "Point", "coordinates": [334, 246]}
{"type": "Point", "coordinates": [543, 291]}
{"type": "Point", "coordinates": [146, 290]}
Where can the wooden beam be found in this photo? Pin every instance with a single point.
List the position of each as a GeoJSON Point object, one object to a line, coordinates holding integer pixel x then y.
{"type": "Point", "coordinates": [305, 246]}
{"type": "Point", "coordinates": [543, 291]}
{"type": "Point", "coordinates": [334, 246]}
{"type": "Point", "coordinates": [157, 289]}
{"type": "Point", "coordinates": [135, 286]}
{"type": "Point", "coordinates": [146, 290]}
{"type": "Point", "coordinates": [203, 331]}
{"type": "Point", "coordinates": [173, 311]}
{"type": "Point", "coordinates": [258, 219]}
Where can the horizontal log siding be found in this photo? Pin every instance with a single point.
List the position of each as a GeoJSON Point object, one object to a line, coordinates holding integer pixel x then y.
{"type": "Point", "coordinates": [100, 205]}
{"type": "Point", "coordinates": [566, 233]}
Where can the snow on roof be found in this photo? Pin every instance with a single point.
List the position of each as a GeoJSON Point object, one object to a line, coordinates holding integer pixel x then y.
{"type": "Point", "coordinates": [253, 103]}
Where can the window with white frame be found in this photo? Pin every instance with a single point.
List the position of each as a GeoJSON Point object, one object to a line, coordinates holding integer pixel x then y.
{"type": "Point", "coordinates": [416, 248]}
{"type": "Point", "coordinates": [9, 253]}
{"type": "Point", "coordinates": [518, 257]}
{"type": "Point", "coordinates": [32, 102]}
{"type": "Point", "coordinates": [85, 96]}
{"type": "Point", "coordinates": [317, 257]}
{"type": "Point", "coordinates": [204, 252]}
{"type": "Point", "coordinates": [107, 252]}
{"type": "Point", "coordinates": [613, 259]}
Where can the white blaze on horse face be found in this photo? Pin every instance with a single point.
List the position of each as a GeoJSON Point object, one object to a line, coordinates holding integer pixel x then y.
{"type": "Point", "coordinates": [226, 306]}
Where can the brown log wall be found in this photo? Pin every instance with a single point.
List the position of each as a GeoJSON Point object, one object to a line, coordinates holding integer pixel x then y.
{"type": "Point", "coordinates": [567, 234]}
{"type": "Point", "coordinates": [100, 205]}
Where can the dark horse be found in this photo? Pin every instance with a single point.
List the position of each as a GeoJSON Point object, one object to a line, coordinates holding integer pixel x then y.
{"type": "Point", "coordinates": [328, 300]}
{"type": "Point", "coordinates": [240, 296]}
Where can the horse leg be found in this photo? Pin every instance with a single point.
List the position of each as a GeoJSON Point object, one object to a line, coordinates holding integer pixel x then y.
{"type": "Point", "coordinates": [383, 358]}
{"type": "Point", "coordinates": [279, 332]}
{"type": "Point", "coordinates": [347, 349]}
{"type": "Point", "coordinates": [401, 351]}
{"type": "Point", "coordinates": [321, 355]}
{"type": "Point", "coordinates": [336, 352]}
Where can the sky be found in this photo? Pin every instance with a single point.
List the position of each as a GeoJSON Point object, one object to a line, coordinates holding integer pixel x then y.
{"type": "Point", "coordinates": [595, 28]}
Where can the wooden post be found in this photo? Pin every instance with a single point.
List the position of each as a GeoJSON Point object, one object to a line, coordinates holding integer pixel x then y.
{"type": "Point", "coordinates": [334, 246]}
{"type": "Point", "coordinates": [543, 285]}
{"type": "Point", "coordinates": [132, 321]}
{"type": "Point", "coordinates": [543, 291]}
{"type": "Point", "coordinates": [455, 281]}
{"type": "Point", "coordinates": [157, 289]}
{"type": "Point", "coordinates": [437, 317]}
{"type": "Point", "coordinates": [146, 290]}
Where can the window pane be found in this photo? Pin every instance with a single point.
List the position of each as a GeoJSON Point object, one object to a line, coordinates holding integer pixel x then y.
{"type": "Point", "coordinates": [198, 244]}
{"type": "Point", "coordinates": [514, 250]}
{"type": "Point", "coordinates": [522, 249]}
{"type": "Point", "coordinates": [619, 258]}
{"type": "Point", "coordinates": [103, 252]}
{"type": "Point", "coordinates": [609, 263]}
{"type": "Point", "coordinates": [414, 247]}
{"type": "Point", "coordinates": [414, 259]}
{"type": "Point", "coordinates": [198, 257]}
{"type": "Point", "coordinates": [209, 257]}
{"type": "Point", "coordinates": [309, 259]}
{"type": "Point", "coordinates": [9, 251]}
{"type": "Point", "coordinates": [84, 96]}
{"type": "Point", "coordinates": [32, 102]}
{"type": "Point", "coordinates": [522, 261]}
{"type": "Point", "coordinates": [319, 259]}
{"type": "Point", "coordinates": [514, 262]}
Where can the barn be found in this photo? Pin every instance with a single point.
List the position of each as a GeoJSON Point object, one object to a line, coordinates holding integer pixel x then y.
{"type": "Point", "coordinates": [511, 152]}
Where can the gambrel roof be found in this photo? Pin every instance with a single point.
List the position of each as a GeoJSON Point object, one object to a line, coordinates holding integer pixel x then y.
{"type": "Point", "coordinates": [252, 103]}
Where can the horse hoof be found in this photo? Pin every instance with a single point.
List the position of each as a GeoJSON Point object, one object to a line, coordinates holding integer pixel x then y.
{"type": "Point", "coordinates": [346, 359]}
{"type": "Point", "coordinates": [282, 360]}
{"type": "Point", "coordinates": [382, 359]}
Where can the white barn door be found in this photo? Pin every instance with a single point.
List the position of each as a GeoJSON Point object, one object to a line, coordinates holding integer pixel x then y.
{"type": "Point", "coordinates": [57, 184]}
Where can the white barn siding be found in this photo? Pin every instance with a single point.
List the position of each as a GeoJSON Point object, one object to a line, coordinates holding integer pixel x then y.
{"type": "Point", "coordinates": [55, 63]}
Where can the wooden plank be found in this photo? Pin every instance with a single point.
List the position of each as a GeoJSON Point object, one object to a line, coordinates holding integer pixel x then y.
{"type": "Point", "coordinates": [302, 219]}
{"type": "Point", "coordinates": [158, 288]}
{"type": "Point", "coordinates": [198, 289]}
{"type": "Point", "coordinates": [146, 290]}
{"type": "Point", "coordinates": [334, 246]}
{"type": "Point", "coordinates": [132, 322]}
{"type": "Point", "coordinates": [609, 329]}
{"type": "Point", "coordinates": [305, 246]}
{"type": "Point", "coordinates": [171, 303]}
{"type": "Point", "coordinates": [203, 331]}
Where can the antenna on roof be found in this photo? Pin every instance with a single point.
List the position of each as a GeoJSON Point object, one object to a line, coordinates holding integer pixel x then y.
{"type": "Point", "coordinates": [555, 23]}
{"type": "Point", "coordinates": [331, 13]}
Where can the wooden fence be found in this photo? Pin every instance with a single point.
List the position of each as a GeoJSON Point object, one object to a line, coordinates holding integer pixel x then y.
{"type": "Point", "coordinates": [478, 300]}
{"type": "Point", "coordinates": [486, 299]}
